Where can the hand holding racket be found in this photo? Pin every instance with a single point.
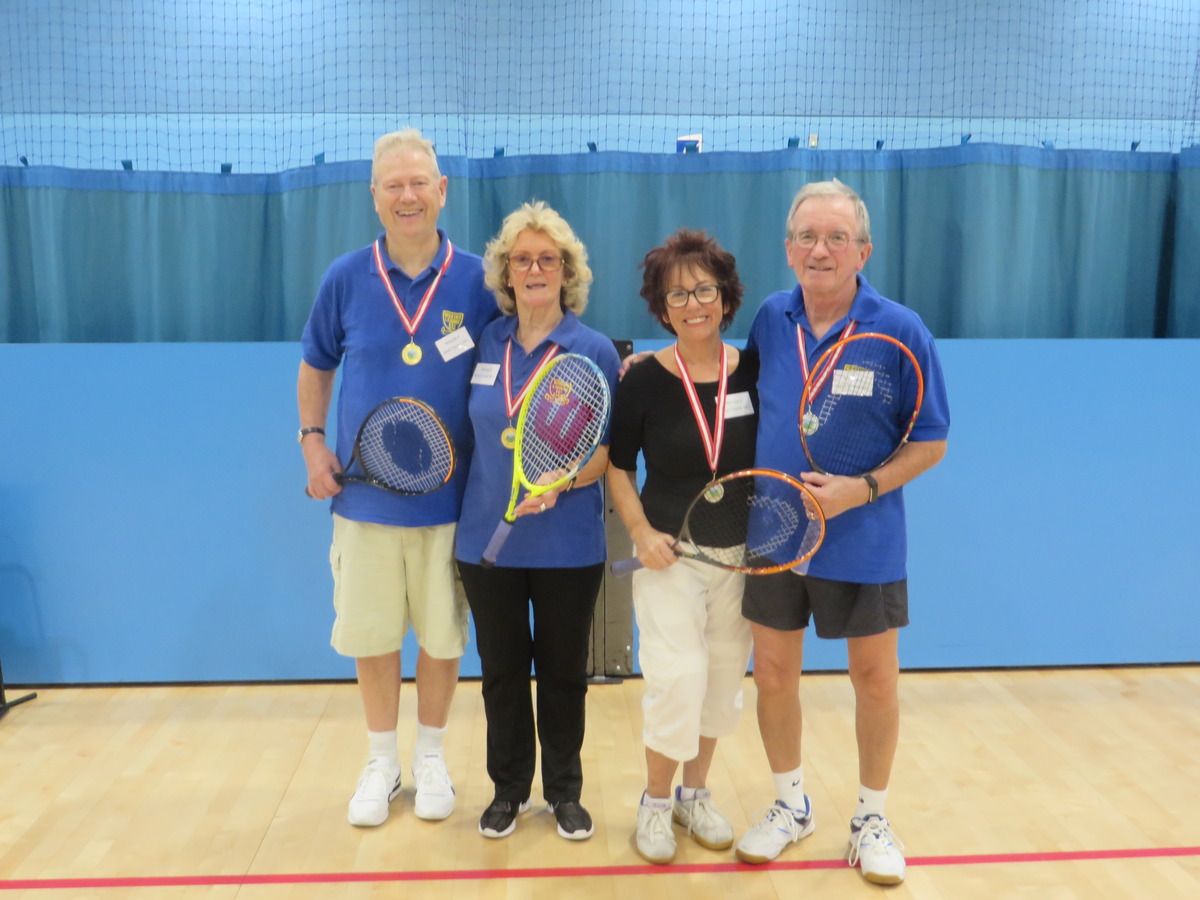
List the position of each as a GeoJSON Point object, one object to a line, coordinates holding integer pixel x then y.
{"type": "Point", "coordinates": [559, 427]}
{"type": "Point", "coordinates": [859, 405]}
{"type": "Point", "coordinates": [755, 521]}
{"type": "Point", "coordinates": [402, 446]}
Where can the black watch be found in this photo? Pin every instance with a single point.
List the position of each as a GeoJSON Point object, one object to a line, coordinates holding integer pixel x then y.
{"type": "Point", "coordinates": [312, 430]}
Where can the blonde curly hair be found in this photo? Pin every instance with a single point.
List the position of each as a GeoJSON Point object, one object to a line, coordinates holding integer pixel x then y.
{"type": "Point", "coordinates": [537, 216]}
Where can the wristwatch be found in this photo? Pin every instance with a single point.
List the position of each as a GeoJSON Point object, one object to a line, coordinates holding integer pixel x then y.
{"type": "Point", "coordinates": [872, 488]}
{"type": "Point", "coordinates": [311, 430]}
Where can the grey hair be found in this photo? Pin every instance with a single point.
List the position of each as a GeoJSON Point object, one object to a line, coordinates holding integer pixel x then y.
{"type": "Point", "coordinates": [410, 140]}
{"type": "Point", "coordinates": [832, 188]}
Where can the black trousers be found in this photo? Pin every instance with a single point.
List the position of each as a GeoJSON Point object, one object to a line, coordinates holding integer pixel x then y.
{"type": "Point", "coordinates": [555, 645]}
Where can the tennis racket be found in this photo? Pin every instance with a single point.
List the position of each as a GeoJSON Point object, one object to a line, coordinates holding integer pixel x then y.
{"type": "Point", "coordinates": [756, 521]}
{"type": "Point", "coordinates": [402, 446]}
{"type": "Point", "coordinates": [559, 427]}
{"type": "Point", "coordinates": [859, 405]}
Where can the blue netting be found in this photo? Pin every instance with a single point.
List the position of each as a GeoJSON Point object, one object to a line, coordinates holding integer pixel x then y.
{"type": "Point", "coordinates": [269, 85]}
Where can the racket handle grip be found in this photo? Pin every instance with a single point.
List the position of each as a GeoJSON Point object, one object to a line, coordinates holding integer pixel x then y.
{"type": "Point", "coordinates": [492, 550]}
{"type": "Point", "coordinates": [339, 477]}
{"type": "Point", "coordinates": [625, 566]}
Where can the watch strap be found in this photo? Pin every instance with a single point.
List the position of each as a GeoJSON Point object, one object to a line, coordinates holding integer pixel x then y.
{"type": "Point", "coordinates": [307, 431]}
{"type": "Point", "coordinates": [872, 487]}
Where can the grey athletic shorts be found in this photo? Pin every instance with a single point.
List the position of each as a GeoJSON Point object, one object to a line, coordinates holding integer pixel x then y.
{"type": "Point", "coordinates": [841, 609]}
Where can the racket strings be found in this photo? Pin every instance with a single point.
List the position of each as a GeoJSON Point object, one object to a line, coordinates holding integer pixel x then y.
{"type": "Point", "coordinates": [405, 447]}
{"type": "Point", "coordinates": [758, 522]}
{"type": "Point", "coordinates": [565, 418]}
{"type": "Point", "coordinates": [857, 412]}
{"type": "Point", "coordinates": [718, 520]}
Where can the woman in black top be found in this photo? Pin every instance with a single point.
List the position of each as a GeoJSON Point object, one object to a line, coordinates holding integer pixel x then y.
{"type": "Point", "coordinates": [691, 410]}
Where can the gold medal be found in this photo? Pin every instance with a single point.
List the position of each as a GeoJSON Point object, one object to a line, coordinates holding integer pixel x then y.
{"type": "Point", "coordinates": [411, 354]}
{"type": "Point", "coordinates": [508, 437]}
{"type": "Point", "coordinates": [811, 422]}
{"type": "Point", "coordinates": [714, 492]}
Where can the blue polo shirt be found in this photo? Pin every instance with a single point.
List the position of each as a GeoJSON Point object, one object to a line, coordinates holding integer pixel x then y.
{"type": "Point", "coordinates": [570, 534]}
{"type": "Point", "coordinates": [867, 544]}
{"type": "Point", "coordinates": [354, 324]}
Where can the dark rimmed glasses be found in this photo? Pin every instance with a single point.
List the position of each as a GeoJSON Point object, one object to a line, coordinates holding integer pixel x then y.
{"type": "Point", "coordinates": [677, 298]}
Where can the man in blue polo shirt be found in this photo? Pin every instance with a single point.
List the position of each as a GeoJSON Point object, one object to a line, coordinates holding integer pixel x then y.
{"type": "Point", "coordinates": [856, 587]}
{"type": "Point", "coordinates": [401, 317]}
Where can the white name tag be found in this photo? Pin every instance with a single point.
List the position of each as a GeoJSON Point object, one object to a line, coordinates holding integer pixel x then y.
{"type": "Point", "coordinates": [738, 404]}
{"type": "Point", "coordinates": [456, 343]}
{"type": "Point", "coordinates": [485, 373]}
{"type": "Point", "coordinates": [854, 382]}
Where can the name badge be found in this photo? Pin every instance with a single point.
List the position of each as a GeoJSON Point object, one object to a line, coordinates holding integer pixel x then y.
{"type": "Point", "coordinates": [738, 404]}
{"type": "Point", "coordinates": [485, 374]}
{"type": "Point", "coordinates": [854, 382]}
{"type": "Point", "coordinates": [456, 343]}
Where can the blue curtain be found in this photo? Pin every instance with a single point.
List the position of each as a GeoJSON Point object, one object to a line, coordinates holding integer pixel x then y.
{"type": "Point", "coordinates": [984, 241]}
{"type": "Point", "coordinates": [1183, 312]}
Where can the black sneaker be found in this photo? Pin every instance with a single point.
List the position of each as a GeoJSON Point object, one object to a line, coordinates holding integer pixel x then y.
{"type": "Point", "coordinates": [574, 823]}
{"type": "Point", "coordinates": [499, 819]}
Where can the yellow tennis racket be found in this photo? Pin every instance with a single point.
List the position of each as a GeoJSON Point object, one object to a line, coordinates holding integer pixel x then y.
{"type": "Point", "coordinates": [560, 425]}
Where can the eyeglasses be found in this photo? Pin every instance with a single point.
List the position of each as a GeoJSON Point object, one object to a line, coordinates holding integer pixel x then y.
{"type": "Point", "coordinates": [523, 262]}
{"type": "Point", "coordinates": [837, 241]}
{"type": "Point", "coordinates": [704, 293]}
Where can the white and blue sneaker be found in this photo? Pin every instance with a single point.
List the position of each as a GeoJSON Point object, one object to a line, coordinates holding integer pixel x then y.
{"type": "Point", "coordinates": [780, 825]}
{"type": "Point", "coordinates": [435, 793]}
{"type": "Point", "coordinates": [655, 838]}
{"type": "Point", "coordinates": [703, 821]}
{"type": "Point", "coordinates": [876, 850]}
{"type": "Point", "coordinates": [378, 785]}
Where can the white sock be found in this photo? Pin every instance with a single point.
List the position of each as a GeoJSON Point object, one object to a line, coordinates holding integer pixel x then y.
{"type": "Point", "coordinates": [870, 803]}
{"type": "Point", "coordinates": [429, 741]}
{"type": "Point", "coordinates": [655, 802]}
{"type": "Point", "coordinates": [789, 787]}
{"type": "Point", "coordinates": [382, 745]}
{"type": "Point", "coordinates": [684, 794]}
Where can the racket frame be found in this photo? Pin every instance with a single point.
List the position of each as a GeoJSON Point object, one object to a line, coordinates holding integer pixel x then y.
{"type": "Point", "coordinates": [807, 397]}
{"type": "Point", "coordinates": [367, 478]}
{"type": "Point", "coordinates": [683, 540]}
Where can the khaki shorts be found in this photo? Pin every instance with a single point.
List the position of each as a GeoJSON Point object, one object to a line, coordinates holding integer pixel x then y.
{"type": "Point", "coordinates": [386, 576]}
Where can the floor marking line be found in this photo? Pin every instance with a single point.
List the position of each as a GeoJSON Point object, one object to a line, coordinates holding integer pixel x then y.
{"type": "Point", "coordinates": [975, 859]}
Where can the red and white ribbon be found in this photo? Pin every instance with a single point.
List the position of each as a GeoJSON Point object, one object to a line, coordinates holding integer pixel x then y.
{"type": "Point", "coordinates": [712, 438]}
{"type": "Point", "coordinates": [511, 403]}
{"type": "Point", "coordinates": [411, 325]}
{"type": "Point", "coordinates": [822, 376]}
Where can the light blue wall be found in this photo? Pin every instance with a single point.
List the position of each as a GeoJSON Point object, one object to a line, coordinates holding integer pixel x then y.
{"type": "Point", "coordinates": [153, 525]}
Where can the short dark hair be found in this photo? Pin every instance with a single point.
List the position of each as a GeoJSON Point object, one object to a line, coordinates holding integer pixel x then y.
{"type": "Point", "coordinates": [687, 249]}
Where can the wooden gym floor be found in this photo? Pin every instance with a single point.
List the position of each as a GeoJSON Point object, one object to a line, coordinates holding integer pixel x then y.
{"type": "Point", "coordinates": [1080, 783]}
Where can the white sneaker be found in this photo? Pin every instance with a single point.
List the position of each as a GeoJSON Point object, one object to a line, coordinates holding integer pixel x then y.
{"type": "Point", "coordinates": [655, 837]}
{"type": "Point", "coordinates": [703, 821]}
{"type": "Point", "coordinates": [780, 825]}
{"type": "Point", "coordinates": [377, 785]}
{"type": "Point", "coordinates": [435, 793]}
{"type": "Point", "coordinates": [876, 850]}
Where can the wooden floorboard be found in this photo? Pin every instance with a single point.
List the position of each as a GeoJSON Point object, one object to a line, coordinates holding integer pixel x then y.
{"type": "Point", "coordinates": [1080, 783]}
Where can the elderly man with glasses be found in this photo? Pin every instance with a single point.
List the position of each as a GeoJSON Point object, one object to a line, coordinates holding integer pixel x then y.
{"type": "Point", "coordinates": [856, 586]}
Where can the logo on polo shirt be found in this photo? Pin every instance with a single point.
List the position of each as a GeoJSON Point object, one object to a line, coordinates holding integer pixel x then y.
{"type": "Point", "coordinates": [451, 321]}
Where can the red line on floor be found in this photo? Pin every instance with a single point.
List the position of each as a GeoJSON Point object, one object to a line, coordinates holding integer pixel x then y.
{"type": "Point", "coordinates": [979, 859]}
